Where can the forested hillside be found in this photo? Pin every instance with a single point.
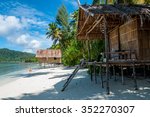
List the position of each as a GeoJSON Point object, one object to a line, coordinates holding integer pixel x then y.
{"type": "Point", "coordinates": [12, 55]}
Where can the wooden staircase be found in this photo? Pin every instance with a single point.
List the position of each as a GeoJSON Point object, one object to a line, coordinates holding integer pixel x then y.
{"type": "Point", "coordinates": [82, 63]}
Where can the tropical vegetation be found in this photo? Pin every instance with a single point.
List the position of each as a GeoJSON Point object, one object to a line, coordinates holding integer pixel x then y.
{"type": "Point", "coordinates": [16, 56]}
{"type": "Point", "coordinates": [64, 30]}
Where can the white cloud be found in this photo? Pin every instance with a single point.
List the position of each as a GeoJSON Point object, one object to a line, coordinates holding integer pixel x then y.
{"type": "Point", "coordinates": [22, 40]}
{"type": "Point", "coordinates": [26, 41]}
{"type": "Point", "coordinates": [9, 24]}
{"type": "Point", "coordinates": [34, 44]}
{"type": "Point", "coordinates": [28, 15]}
{"type": "Point", "coordinates": [29, 42]}
{"type": "Point", "coordinates": [34, 22]}
{"type": "Point", "coordinates": [23, 26]}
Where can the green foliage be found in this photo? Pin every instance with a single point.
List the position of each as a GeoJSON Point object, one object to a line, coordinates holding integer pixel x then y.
{"type": "Point", "coordinates": [72, 49]}
{"type": "Point", "coordinates": [11, 55]}
{"type": "Point", "coordinates": [73, 53]}
{"type": "Point", "coordinates": [62, 17]}
{"type": "Point", "coordinates": [130, 1]}
{"type": "Point", "coordinates": [147, 1]}
{"type": "Point", "coordinates": [56, 46]}
{"type": "Point", "coordinates": [96, 2]}
{"type": "Point", "coordinates": [54, 33]}
{"type": "Point", "coordinates": [59, 31]}
{"type": "Point", "coordinates": [96, 46]}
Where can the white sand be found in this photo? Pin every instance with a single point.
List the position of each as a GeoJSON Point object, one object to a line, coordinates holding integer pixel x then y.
{"type": "Point", "coordinates": [46, 84]}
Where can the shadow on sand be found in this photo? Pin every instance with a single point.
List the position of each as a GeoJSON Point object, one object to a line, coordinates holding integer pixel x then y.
{"type": "Point", "coordinates": [28, 75]}
{"type": "Point", "coordinates": [81, 88]}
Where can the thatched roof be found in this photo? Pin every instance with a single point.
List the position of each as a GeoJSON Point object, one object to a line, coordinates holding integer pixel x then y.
{"type": "Point", "coordinates": [91, 18]}
{"type": "Point", "coordinates": [52, 53]}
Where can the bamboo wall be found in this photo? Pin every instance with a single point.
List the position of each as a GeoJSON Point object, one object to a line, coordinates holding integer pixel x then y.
{"type": "Point", "coordinates": [129, 36]}
{"type": "Point", "coordinates": [49, 60]}
{"type": "Point", "coordinates": [144, 40]}
{"type": "Point", "coordinates": [114, 41]}
{"type": "Point", "coordinates": [132, 37]}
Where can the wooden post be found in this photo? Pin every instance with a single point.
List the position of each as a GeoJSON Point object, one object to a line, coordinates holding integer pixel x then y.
{"type": "Point", "coordinates": [89, 53]}
{"type": "Point", "coordinates": [144, 71]}
{"type": "Point", "coordinates": [122, 75]}
{"type": "Point", "coordinates": [134, 77]}
{"type": "Point", "coordinates": [114, 72]}
{"type": "Point", "coordinates": [89, 59]}
{"type": "Point", "coordinates": [95, 72]}
{"type": "Point", "coordinates": [91, 68]}
{"type": "Point", "coordinates": [102, 82]}
{"type": "Point", "coordinates": [107, 55]}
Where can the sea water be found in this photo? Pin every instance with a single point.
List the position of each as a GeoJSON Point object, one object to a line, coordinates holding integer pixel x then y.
{"type": "Point", "coordinates": [11, 71]}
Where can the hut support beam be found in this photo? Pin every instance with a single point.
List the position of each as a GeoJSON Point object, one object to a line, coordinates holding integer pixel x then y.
{"type": "Point", "coordinates": [89, 59]}
{"type": "Point", "coordinates": [89, 52]}
{"type": "Point", "coordinates": [101, 76]}
{"type": "Point", "coordinates": [114, 73]}
{"type": "Point", "coordinates": [94, 25]}
{"type": "Point", "coordinates": [95, 72]}
{"type": "Point", "coordinates": [84, 24]}
{"type": "Point", "coordinates": [122, 75]}
{"type": "Point", "coordinates": [134, 77]}
{"type": "Point", "coordinates": [107, 55]}
{"type": "Point", "coordinates": [91, 72]}
{"type": "Point", "coordinates": [144, 71]}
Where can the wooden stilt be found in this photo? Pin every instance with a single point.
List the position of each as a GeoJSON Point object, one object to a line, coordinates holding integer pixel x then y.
{"type": "Point", "coordinates": [110, 75]}
{"type": "Point", "coordinates": [134, 77]}
{"type": "Point", "coordinates": [107, 76]}
{"type": "Point", "coordinates": [144, 71]}
{"type": "Point", "coordinates": [122, 77]}
{"type": "Point", "coordinates": [91, 68]}
{"type": "Point", "coordinates": [114, 73]}
{"type": "Point", "coordinates": [95, 72]}
{"type": "Point", "coordinates": [101, 75]}
{"type": "Point", "coordinates": [89, 54]}
{"type": "Point", "coordinates": [107, 55]}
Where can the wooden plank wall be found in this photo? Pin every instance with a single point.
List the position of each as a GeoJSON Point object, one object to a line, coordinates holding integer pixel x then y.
{"type": "Point", "coordinates": [129, 36]}
{"type": "Point", "coordinates": [49, 60]}
{"type": "Point", "coordinates": [114, 39]}
{"type": "Point", "coordinates": [144, 40]}
{"type": "Point", "coordinates": [133, 37]}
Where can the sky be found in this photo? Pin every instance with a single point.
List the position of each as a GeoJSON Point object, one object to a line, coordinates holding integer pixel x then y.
{"type": "Point", "coordinates": [23, 23]}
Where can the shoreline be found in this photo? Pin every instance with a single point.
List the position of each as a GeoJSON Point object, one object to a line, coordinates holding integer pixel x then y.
{"type": "Point", "coordinates": [46, 84]}
{"type": "Point", "coordinates": [14, 75]}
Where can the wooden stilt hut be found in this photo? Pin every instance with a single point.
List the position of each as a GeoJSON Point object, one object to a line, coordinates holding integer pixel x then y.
{"type": "Point", "coordinates": [51, 56]}
{"type": "Point", "coordinates": [125, 29]}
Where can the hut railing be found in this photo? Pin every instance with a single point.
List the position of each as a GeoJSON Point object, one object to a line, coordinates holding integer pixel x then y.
{"type": "Point", "coordinates": [122, 55]}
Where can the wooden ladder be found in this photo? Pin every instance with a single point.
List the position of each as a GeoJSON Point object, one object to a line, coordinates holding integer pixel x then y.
{"type": "Point", "coordinates": [72, 75]}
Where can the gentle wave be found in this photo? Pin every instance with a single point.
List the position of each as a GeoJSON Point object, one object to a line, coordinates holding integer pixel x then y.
{"type": "Point", "coordinates": [9, 71]}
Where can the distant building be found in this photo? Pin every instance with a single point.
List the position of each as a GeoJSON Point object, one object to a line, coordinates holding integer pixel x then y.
{"type": "Point", "coordinates": [52, 56]}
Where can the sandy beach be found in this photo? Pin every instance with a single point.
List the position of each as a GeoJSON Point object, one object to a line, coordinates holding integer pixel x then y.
{"type": "Point", "coordinates": [46, 84]}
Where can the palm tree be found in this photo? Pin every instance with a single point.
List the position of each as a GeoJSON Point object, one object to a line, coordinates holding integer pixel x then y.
{"type": "Point", "coordinates": [60, 30]}
{"type": "Point", "coordinates": [74, 21]}
{"type": "Point", "coordinates": [62, 18]}
{"type": "Point", "coordinates": [54, 33]}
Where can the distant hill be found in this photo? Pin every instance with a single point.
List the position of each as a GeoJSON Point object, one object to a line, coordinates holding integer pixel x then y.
{"type": "Point", "coordinates": [12, 55]}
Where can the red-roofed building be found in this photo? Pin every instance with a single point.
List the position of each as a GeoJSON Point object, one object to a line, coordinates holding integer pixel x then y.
{"type": "Point", "coordinates": [49, 56]}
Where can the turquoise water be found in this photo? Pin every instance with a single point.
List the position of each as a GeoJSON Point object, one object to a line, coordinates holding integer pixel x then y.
{"type": "Point", "coordinates": [10, 71]}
